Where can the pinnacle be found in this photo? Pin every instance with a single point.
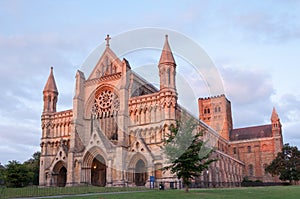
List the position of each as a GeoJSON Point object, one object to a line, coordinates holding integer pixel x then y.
{"type": "Point", "coordinates": [166, 55]}
{"type": "Point", "coordinates": [274, 114]}
{"type": "Point", "coordinates": [50, 84]}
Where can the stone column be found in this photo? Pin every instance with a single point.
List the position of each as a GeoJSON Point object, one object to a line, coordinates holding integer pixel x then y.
{"type": "Point", "coordinates": [119, 165]}
{"type": "Point", "coordinates": [109, 173]}
{"type": "Point", "coordinates": [42, 175]}
{"type": "Point", "coordinates": [70, 169]}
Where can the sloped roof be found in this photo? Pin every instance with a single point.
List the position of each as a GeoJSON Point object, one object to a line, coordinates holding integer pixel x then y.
{"type": "Point", "coordinates": [166, 55]}
{"type": "Point", "coordinates": [253, 132]}
{"type": "Point", "coordinates": [274, 115]}
{"type": "Point", "coordinates": [50, 84]}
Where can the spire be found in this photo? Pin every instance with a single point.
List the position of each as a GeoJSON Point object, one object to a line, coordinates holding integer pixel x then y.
{"type": "Point", "coordinates": [50, 84]}
{"type": "Point", "coordinates": [50, 94]}
{"type": "Point", "coordinates": [274, 116]}
{"type": "Point", "coordinates": [166, 55]}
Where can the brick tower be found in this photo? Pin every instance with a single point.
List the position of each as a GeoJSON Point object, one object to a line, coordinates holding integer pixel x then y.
{"type": "Point", "coordinates": [216, 113]}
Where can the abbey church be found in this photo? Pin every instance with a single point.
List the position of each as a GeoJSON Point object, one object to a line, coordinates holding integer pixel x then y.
{"type": "Point", "coordinates": [113, 134]}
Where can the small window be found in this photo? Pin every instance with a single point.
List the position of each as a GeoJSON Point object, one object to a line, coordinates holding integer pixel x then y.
{"type": "Point", "coordinates": [216, 109]}
{"type": "Point", "coordinates": [208, 110]}
{"type": "Point", "coordinates": [250, 170]}
{"type": "Point", "coordinates": [205, 111]}
{"type": "Point", "coordinates": [219, 109]}
{"type": "Point", "coordinates": [249, 149]}
{"type": "Point", "coordinates": [234, 150]}
{"type": "Point", "coordinates": [264, 169]}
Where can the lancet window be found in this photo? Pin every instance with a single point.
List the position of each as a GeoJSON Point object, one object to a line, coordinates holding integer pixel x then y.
{"type": "Point", "coordinates": [105, 111]}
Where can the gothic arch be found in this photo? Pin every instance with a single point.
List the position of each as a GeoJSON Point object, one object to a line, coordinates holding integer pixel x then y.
{"type": "Point", "coordinates": [140, 173]}
{"type": "Point", "coordinates": [60, 174]}
{"type": "Point", "coordinates": [135, 158]}
{"type": "Point", "coordinates": [137, 169]}
{"type": "Point", "coordinates": [94, 167]}
{"type": "Point", "coordinates": [98, 171]}
{"type": "Point", "coordinates": [91, 154]}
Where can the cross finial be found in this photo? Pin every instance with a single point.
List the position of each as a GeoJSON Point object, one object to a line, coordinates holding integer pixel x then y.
{"type": "Point", "coordinates": [107, 40]}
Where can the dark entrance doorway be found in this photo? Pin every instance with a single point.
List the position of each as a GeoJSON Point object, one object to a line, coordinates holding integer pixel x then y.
{"type": "Point", "coordinates": [98, 173]}
{"type": "Point", "coordinates": [140, 175]}
{"type": "Point", "coordinates": [62, 177]}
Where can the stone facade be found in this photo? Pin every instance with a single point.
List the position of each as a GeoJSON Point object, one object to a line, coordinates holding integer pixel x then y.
{"type": "Point", "coordinates": [255, 146]}
{"type": "Point", "coordinates": [113, 134]}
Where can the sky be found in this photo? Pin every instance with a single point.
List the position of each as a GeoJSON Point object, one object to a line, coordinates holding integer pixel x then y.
{"type": "Point", "coordinates": [254, 45]}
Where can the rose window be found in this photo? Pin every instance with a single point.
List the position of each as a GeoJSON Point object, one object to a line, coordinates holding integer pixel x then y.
{"type": "Point", "coordinates": [106, 101]}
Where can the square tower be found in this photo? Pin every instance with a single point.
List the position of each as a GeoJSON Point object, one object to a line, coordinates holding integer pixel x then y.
{"type": "Point", "coordinates": [216, 113]}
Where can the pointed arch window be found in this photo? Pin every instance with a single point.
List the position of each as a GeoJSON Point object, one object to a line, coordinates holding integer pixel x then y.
{"type": "Point", "coordinates": [250, 167]}
{"type": "Point", "coordinates": [206, 111]}
{"type": "Point", "coordinates": [105, 109]}
{"type": "Point", "coordinates": [249, 149]}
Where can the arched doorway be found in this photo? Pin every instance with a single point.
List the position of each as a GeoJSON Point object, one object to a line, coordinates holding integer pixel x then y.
{"type": "Point", "coordinates": [98, 173]}
{"type": "Point", "coordinates": [62, 177]}
{"type": "Point", "coordinates": [140, 175]}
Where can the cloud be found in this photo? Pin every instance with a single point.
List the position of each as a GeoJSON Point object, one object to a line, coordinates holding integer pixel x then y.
{"type": "Point", "coordinates": [24, 68]}
{"type": "Point", "coordinates": [20, 139]}
{"type": "Point", "coordinates": [291, 133]}
{"type": "Point", "coordinates": [268, 26]}
{"type": "Point", "coordinates": [250, 93]}
{"type": "Point", "coordinates": [288, 108]}
{"type": "Point", "coordinates": [289, 105]}
{"type": "Point", "coordinates": [247, 86]}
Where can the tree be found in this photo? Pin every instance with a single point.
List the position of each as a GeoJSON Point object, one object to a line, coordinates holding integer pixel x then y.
{"type": "Point", "coordinates": [33, 165]}
{"type": "Point", "coordinates": [2, 170]}
{"type": "Point", "coordinates": [287, 164]}
{"type": "Point", "coordinates": [17, 174]}
{"type": "Point", "coordinates": [186, 153]}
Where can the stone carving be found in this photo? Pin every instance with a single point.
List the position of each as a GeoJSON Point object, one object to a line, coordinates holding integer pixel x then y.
{"type": "Point", "coordinates": [107, 102]}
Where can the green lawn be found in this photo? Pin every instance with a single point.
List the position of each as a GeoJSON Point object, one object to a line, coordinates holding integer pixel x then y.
{"type": "Point", "coordinates": [54, 191]}
{"type": "Point", "coordinates": [288, 192]}
{"type": "Point", "coordinates": [282, 192]}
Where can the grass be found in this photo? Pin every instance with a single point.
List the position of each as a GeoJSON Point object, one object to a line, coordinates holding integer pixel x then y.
{"type": "Point", "coordinates": [54, 191]}
{"type": "Point", "coordinates": [289, 192]}
{"type": "Point", "coordinates": [279, 192]}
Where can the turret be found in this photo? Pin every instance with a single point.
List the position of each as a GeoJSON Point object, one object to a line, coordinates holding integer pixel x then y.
{"type": "Point", "coordinates": [167, 68]}
{"type": "Point", "coordinates": [50, 93]}
{"type": "Point", "coordinates": [276, 125]}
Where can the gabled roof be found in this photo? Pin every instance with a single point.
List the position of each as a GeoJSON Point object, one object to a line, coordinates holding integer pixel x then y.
{"type": "Point", "coordinates": [108, 56]}
{"type": "Point", "coordinates": [167, 55]}
{"type": "Point", "coordinates": [249, 133]}
{"type": "Point", "coordinates": [50, 84]}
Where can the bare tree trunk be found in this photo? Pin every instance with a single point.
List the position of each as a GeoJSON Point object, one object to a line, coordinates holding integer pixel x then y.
{"type": "Point", "coordinates": [186, 188]}
{"type": "Point", "coordinates": [186, 185]}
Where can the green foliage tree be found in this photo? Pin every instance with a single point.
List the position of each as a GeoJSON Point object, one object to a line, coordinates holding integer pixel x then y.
{"type": "Point", "coordinates": [33, 165]}
{"type": "Point", "coordinates": [2, 170]}
{"type": "Point", "coordinates": [186, 153]}
{"type": "Point", "coordinates": [287, 164]}
{"type": "Point", "coordinates": [17, 174]}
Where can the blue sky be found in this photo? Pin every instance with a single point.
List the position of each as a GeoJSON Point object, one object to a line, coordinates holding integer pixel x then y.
{"type": "Point", "coordinates": [254, 45]}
